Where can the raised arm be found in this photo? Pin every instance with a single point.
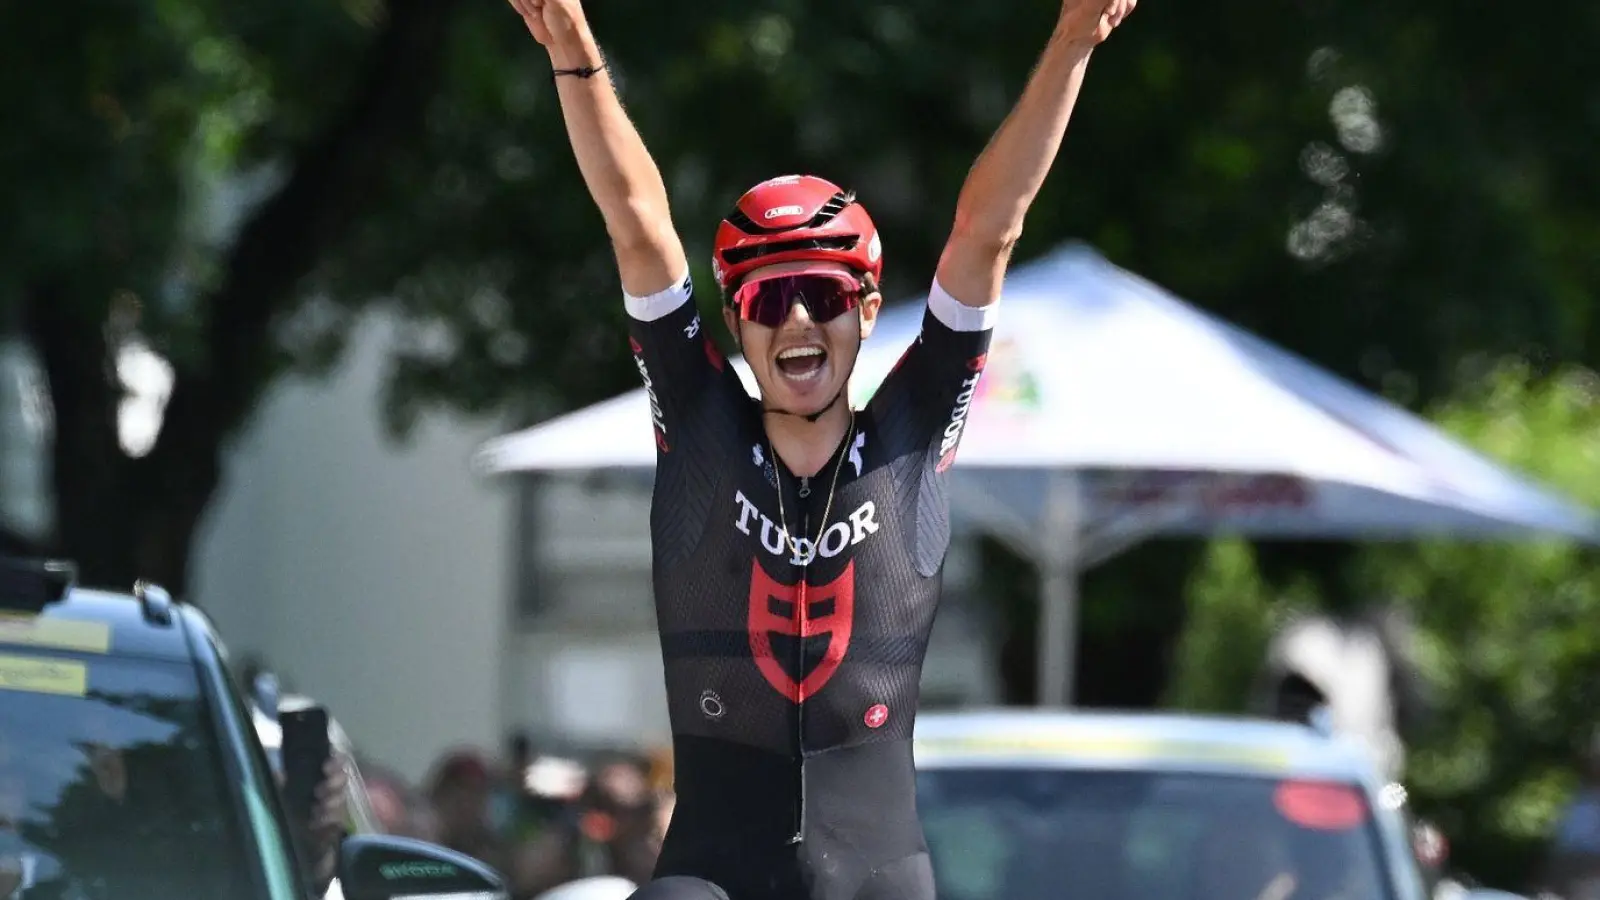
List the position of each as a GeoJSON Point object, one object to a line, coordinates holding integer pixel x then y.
{"type": "Point", "coordinates": [1008, 174]}
{"type": "Point", "coordinates": [617, 168]}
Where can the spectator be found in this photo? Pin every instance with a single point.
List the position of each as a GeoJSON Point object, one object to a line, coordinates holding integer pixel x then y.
{"type": "Point", "coordinates": [399, 809]}
{"type": "Point", "coordinates": [459, 792]}
{"type": "Point", "coordinates": [521, 814]}
{"type": "Point", "coordinates": [611, 829]}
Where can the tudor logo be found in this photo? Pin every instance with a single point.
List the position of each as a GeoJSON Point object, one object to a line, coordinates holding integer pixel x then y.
{"type": "Point", "coordinates": [656, 415]}
{"type": "Point", "coordinates": [958, 416]}
{"type": "Point", "coordinates": [788, 622]}
{"type": "Point", "coordinates": [777, 211]}
{"type": "Point", "coordinates": [852, 530]}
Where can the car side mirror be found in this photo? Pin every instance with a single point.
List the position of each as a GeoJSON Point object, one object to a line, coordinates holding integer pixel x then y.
{"type": "Point", "coordinates": [385, 866]}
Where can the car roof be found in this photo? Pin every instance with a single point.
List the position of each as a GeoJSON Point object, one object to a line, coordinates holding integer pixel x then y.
{"type": "Point", "coordinates": [1136, 741]}
{"type": "Point", "coordinates": [104, 623]}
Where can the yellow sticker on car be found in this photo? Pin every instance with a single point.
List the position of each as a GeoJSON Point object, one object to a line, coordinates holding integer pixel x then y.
{"type": "Point", "coordinates": [43, 676]}
{"type": "Point", "coordinates": [58, 634]}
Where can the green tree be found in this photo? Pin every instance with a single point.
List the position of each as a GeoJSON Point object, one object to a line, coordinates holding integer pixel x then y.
{"type": "Point", "coordinates": [124, 121]}
{"type": "Point", "coordinates": [233, 184]}
{"type": "Point", "coordinates": [1508, 632]}
{"type": "Point", "coordinates": [1232, 614]}
{"type": "Point", "coordinates": [1507, 642]}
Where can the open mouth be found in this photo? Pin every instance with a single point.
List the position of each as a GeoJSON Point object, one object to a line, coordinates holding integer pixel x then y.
{"type": "Point", "coordinates": [801, 363]}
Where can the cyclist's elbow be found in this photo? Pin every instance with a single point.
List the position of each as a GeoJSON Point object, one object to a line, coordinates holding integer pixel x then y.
{"type": "Point", "coordinates": [649, 260]}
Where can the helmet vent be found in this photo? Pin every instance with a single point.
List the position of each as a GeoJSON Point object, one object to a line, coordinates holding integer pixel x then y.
{"type": "Point", "coordinates": [738, 255]}
{"type": "Point", "coordinates": [836, 204]}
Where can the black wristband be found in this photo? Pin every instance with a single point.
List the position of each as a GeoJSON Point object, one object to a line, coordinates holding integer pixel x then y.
{"type": "Point", "coordinates": [581, 71]}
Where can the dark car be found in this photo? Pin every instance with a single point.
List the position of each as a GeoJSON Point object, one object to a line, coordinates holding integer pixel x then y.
{"type": "Point", "coordinates": [130, 766]}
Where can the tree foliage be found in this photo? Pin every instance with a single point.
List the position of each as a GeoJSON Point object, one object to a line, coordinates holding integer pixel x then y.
{"type": "Point", "coordinates": [1505, 631]}
{"type": "Point", "coordinates": [1509, 636]}
{"type": "Point", "coordinates": [1381, 188]}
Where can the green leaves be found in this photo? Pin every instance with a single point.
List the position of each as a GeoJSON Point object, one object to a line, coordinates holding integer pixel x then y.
{"type": "Point", "coordinates": [1507, 635]}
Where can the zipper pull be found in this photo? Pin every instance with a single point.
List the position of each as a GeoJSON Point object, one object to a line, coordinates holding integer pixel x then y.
{"type": "Point", "coordinates": [805, 486]}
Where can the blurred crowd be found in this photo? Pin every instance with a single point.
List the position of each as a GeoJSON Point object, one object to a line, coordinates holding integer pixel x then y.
{"type": "Point", "coordinates": [541, 819]}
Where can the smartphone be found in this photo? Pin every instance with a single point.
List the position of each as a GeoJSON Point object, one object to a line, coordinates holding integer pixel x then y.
{"type": "Point", "coordinates": [306, 750]}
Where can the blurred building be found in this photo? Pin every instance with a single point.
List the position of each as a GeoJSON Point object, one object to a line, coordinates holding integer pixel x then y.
{"type": "Point", "coordinates": [371, 575]}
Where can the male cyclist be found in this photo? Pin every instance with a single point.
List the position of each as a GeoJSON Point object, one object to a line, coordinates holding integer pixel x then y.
{"type": "Point", "coordinates": [798, 542]}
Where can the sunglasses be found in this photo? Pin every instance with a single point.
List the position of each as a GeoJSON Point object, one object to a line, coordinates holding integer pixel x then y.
{"type": "Point", "coordinates": [825, 297]}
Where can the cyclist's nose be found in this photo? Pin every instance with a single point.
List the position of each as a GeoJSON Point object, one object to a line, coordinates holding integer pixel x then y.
{"type": "Point", "coordinates": [799, 315]}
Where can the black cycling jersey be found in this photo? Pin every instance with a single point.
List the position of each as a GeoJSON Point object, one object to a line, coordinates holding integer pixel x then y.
{"type": "Point", "coordinates": [792, 667]}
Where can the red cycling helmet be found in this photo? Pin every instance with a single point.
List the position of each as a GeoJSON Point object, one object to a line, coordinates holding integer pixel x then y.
{"type": "Point", "coordinates": [795, 218]}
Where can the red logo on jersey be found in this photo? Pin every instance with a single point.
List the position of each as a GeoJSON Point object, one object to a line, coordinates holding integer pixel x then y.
{"type": "Point", "coordinates": [876, 716]}
{"type": "Point", "coordinates": [714, 356]}
{"type": "Point", "coordinates": [801, 612]}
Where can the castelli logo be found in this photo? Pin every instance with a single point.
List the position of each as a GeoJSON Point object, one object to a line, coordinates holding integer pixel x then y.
{"type": "Point", "coordinates": [777, 211]}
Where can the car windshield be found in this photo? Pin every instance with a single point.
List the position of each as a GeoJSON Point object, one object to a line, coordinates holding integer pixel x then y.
{"type": "Point", "coordinates": [111, 784]}
{"type": "Point", "coordinates": [1036, 834]}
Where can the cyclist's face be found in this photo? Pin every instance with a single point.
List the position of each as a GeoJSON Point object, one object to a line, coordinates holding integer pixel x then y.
{"type": "Point", "coordinates": [791, 373]}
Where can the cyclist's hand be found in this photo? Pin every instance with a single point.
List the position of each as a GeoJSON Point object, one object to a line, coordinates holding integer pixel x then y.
{"type": "Point", "coordinates": [553, 23]}
{"type": "Point", "coordinates": [1092, 21]}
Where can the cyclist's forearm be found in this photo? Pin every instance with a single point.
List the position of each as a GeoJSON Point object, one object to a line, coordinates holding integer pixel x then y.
{"type": "Point", "coordinates": [621, 176]}
{"type": "Point", "coordinates": [1011, 169]}
{"type": "Point", "coordinates": [1008, 174]}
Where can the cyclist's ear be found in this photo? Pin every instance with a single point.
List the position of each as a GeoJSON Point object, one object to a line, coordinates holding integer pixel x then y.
{"type": "Point", "coordinates": [731, 319]}
{"type": "Point", "coordinates": [870, 305]}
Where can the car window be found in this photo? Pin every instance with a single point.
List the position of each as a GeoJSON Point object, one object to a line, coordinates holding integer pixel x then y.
{"type": "Point", "coordinates": [111, 783]}
{"type": "Point", "coordinates": [1020, 834]}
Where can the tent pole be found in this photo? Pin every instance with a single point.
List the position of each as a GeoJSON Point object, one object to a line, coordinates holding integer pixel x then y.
{"type": "Point", "coordinates": [1057, 634]}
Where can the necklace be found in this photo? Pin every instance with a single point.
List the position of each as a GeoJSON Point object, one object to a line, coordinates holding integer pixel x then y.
{"type": "Point", "coordinates": [838, 467]}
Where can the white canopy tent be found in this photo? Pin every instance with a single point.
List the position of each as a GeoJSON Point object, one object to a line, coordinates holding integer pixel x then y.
{"type": "Point", "coordinates": [1111, 411]}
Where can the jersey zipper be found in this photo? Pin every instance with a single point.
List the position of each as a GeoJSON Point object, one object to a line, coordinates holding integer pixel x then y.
{"type": "Point", "coordinates": [802, 621]}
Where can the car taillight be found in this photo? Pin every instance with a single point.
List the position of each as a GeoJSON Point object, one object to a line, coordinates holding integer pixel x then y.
{"type": "Point", "coordinates": [1321, 805]}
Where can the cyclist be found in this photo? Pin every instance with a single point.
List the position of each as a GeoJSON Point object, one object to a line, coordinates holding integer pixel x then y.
{"type": "Point", "coordinates": [798, 542]}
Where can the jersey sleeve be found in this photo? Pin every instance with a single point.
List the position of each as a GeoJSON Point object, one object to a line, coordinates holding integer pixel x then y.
{"type": "Point", "coordinates": [676, 358]}
{"type": "Point", "coordinates": [923, 402]}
